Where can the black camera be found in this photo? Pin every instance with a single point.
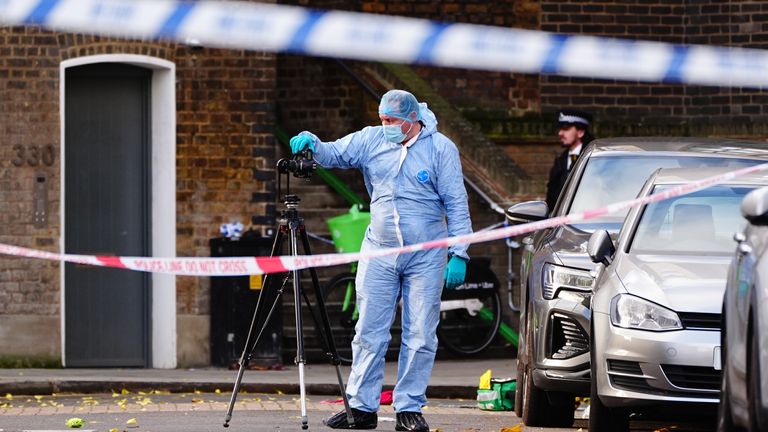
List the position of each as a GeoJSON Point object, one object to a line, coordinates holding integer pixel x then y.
{"type": "Point", "coordinates": [301, 164]}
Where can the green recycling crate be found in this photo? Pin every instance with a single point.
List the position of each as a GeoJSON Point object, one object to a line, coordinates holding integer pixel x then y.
{"type": "Point", "coordinates": [500, 397]}
{"type": "Point", "coordinates": [348, 230]}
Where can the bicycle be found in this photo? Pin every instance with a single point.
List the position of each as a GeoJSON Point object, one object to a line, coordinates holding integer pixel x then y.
{"type": "Point", "coordinates": [470, 314]}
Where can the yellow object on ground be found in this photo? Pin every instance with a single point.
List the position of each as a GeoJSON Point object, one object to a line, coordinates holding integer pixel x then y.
{"type": "Point", "coordinates": [75, 422]}
{"type": "Point", "coordinates": [485, 380]}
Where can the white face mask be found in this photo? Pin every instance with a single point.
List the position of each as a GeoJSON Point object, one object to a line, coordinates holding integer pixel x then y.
{"type": "Point", "coordinates": [394, 133]}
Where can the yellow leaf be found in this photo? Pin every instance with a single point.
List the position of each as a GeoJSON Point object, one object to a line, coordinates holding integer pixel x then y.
{"type": "Point", "coordinates": [217, 391]}
{"type": "Point", "coordinates": [114, 430]}
{"type": "Point", "coordinates": [75, 422]}
{"type": "Point", "coordinates": [198, 392]}
{"type": "Point", "coordinates": [9, 396]}
{"type": "Point", "coordinates": [124, 391]}
{"type": "Point", "coordinates": [38, 397]}
{"type": "Point", "coordinates": [132, 422]}
{"type": "Point", "coordinates": [515, 428]}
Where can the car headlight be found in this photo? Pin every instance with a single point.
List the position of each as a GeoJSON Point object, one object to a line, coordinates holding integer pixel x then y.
{"type": "Point", "coordinates": [555, 277]}
{"type": "Point", "coordinates": [628, 311]}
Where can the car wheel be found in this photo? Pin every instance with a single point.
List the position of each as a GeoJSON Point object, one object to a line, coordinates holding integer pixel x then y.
{"type": "Point", "coordinates": [601, 417]}
{"type": "Point", "coordinates": [757, 416]}
{"type": "Point", "coordinates": [536, 407]}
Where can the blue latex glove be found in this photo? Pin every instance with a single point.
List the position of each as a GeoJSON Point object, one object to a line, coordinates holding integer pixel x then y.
{"type": "Point", "coordinates": [300, 142]}
{"type": "Point", "coordinates": [455, 272]}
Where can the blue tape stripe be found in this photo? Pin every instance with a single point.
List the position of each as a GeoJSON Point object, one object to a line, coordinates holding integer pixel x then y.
{"type": "Point", "coordinates": [428, 46]}
{"type": "Point", "coordinates": [300, 37]}
{"type": "Point", "coordinates": [40, 12]}
{"type": "Point", "coordinates": [553, 56]}
{"type": "Point", "coordinates": [171, 25]}
{"type": "Point", "coordinates": [675, 69]}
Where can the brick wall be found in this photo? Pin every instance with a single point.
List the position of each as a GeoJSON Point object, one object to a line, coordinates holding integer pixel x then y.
{"type": "Point", "coordinates": [504, 92]}
{"type": "Point", "coordinates": [225, 133]}
{"type": "Point", "coordinates": [225, 118]}
{"type": "Point", "coordinates": [675, 21]}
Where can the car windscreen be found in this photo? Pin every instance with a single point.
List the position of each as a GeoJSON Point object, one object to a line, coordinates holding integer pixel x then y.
{"type": "Point", "coordinates": [702, 222]}
{"type": "Point", "coordinates": [610, 179]}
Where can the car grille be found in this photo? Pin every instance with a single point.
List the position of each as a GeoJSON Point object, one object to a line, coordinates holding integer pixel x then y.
{"type": "Point", "coordinates": [568, 338]}
{"type": "Point", "coordinates": [630, 383]}
{"type": "Point", "coordinates": [703, 321]}
{"type": "Point", "coordinates": [693, 377]}
{"type": "Point", "coordinates": [622, 366]}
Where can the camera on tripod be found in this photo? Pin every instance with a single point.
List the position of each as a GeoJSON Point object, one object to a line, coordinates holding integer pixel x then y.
{"type": "Point", "coordinates": [291, 228]}
{"type": "Point", "coordinates": [301, 165]}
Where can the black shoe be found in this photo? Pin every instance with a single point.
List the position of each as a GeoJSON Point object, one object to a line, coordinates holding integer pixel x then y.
{"type": "Point", "coordinates": [411, 421]}
{"type": "Point", "coordinates": [363, 420]}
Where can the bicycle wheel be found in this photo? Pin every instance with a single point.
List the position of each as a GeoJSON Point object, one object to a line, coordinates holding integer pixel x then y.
{"type": "Point", "coordinates": [343, 318]}
{"type": "Point", "coordinates": [466, 333]}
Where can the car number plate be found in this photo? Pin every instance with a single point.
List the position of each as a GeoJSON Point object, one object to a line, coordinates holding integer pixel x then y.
{"type": "Point", "coordinates": [718, 359]}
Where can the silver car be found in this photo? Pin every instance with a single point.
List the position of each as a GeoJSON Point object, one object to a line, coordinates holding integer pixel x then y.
{"type": "Point", "coordinates": [744, 402]}
{"type": "Point", "coordinates": [658, 296]}
{"type": "Point", "coordinates": [555, 278]}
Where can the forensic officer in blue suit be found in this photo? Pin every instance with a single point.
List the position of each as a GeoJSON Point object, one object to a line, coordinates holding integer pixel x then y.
{"type": "Point", "coordinates": [413, 175]}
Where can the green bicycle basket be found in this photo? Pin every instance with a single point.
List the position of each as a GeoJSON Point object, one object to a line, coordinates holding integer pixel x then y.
{"type": "Point", "coordinates": [348, 230]}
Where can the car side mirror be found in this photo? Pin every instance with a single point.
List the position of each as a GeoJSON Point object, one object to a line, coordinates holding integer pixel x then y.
{"type": "Point", "coordinates": [530, 211]}
{"type": "Point", "coordinates": [600, 247]}
{"type": "Point", "coordinates": [754, 207]}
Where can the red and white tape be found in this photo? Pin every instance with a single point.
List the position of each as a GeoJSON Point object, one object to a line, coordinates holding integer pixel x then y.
{"type": "Point", "coordinates": [240, 266]}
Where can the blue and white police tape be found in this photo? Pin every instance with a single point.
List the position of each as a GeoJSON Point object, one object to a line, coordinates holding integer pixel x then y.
{"type": "Point", "coordinates": [280, 28]}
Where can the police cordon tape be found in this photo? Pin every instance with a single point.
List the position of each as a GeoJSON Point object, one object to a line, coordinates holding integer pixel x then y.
{"type": "Point", "coordinates": [241, 266]}
{"type": "Point", "coordinates": [281, 28]}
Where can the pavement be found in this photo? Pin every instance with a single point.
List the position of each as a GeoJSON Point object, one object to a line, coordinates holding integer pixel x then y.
{"type": "Point", "coordinates": [450, 379]}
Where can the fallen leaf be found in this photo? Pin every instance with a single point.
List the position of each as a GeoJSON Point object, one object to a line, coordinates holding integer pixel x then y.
{"type": "Point", "coordinates": [132, 423]}
{"type": "Point", "coordinates": [114, 430]}
{"type": "Point", "coordinates": [9, 396]}
{"type": "Point", "coordinates": [124, 391]}
{"type": "Point", "coordinates": [217, 391]}
{"type": "Point", "coordinates": [515, 428]}
{"type": "Point", "coordinates": [75, 422]}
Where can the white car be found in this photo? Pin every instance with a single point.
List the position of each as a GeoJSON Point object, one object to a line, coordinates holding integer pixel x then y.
{"type": "Point", "coordinates": [658, 295]}
{"type": "Point", "coordinates": [744, 386]}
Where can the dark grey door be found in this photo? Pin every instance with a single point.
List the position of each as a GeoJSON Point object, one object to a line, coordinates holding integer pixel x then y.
{"type": "Point", "coordinates": [107, 196]}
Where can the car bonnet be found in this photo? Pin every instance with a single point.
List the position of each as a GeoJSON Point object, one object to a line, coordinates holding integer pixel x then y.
{"type": "Point", "coordinates": [680, 282]}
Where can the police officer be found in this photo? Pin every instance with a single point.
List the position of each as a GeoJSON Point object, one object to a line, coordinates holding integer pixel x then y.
{"type": "Point", "coordinates": [573, 134]}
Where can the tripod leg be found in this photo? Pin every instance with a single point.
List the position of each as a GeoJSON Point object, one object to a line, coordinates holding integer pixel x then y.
{"type": "Point", "coordinates": [300, 360]}
{"type": "Point", "coordinates": [251, 341]}
{"type": "Point", "coordinates": [326, 328]}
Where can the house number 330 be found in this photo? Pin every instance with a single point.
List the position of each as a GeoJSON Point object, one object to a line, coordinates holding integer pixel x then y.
{"type": "Point", "coordinates": [34, 155]}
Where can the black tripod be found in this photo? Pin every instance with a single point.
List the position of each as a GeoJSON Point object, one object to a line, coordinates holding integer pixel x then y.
{"type": "Point", "coordinates": [291, 223]}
